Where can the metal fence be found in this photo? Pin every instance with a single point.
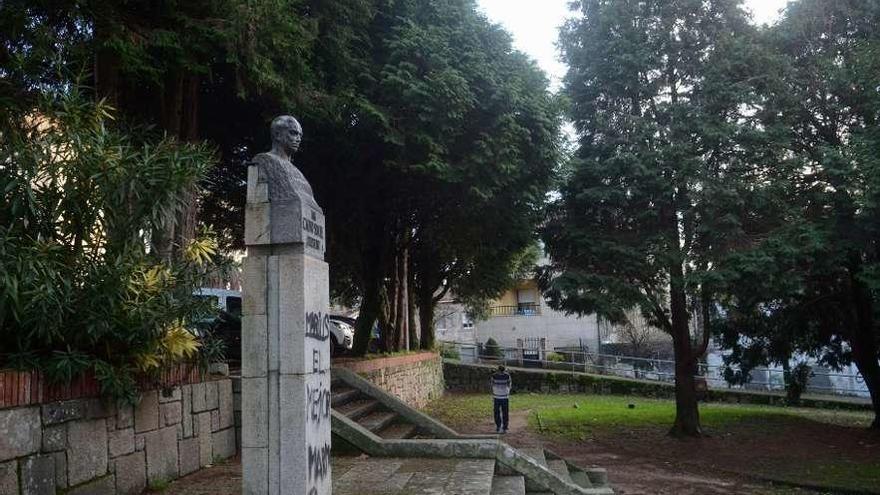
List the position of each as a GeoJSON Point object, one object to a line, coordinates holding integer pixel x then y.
{"type": "Point", "coordinates": [522, 309]}
{"type": "Point", "coordinates": [662, 370]}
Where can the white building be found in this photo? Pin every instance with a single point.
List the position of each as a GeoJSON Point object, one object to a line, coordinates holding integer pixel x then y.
{"type": "Point", "coordinates": [518, 318]}
{"type": "Point", "coordinates": [452, 324]}
{"type": "Point", "coordinates": [521, 318]}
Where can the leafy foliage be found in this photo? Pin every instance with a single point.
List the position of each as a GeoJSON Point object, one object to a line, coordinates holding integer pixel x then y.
{"type": "Point", "coordinates": [449, 351]}
{"type": "Point", "coordinates": [79, 289]}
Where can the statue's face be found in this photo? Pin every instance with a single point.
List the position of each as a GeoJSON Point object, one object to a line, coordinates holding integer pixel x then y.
{"type": "Point", "coordinates": [288, 134]}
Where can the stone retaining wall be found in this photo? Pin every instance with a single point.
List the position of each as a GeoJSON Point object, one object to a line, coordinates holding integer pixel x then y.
{"type": "Point", "coordinates": [87, 447]}
{"type": "Point", "coordinates": [460, 377]}
{"type": "Point", "coordinates": [416, 379]}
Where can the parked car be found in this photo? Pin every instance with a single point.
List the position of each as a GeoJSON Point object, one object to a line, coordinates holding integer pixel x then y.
{"type": "Point", "coordinates": [341, 334]}
{"type": "Point", "coordinates": [224, 299]}
{"type": "Point", "coordinates": [375, 336]}
{"type": "Point", "coordinates": [226, 324]}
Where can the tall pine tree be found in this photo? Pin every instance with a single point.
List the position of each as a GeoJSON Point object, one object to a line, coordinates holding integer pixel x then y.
{"type": "Point", "coordinates": [812, 285]}
{"type": "Point", "coordinates": [661, 101]}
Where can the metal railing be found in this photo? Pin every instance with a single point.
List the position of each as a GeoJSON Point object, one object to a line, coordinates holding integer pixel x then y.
{"type": "Point", "coordinates": [661, 370]}
{"type": "Point", "coordinates": [522, 309]}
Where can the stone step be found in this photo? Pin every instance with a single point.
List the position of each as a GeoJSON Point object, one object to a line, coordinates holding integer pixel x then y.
{"type": "Point", "coordinates": [597, 476]}
{"type": "Point", "coordinates": [508, 485]}
{"type": "Point", "coordinates": [502, 470]}
{"type": "Point", "coordinates": [559, 467]}
{"type": "Point", "coordinates": [580, 478]}
{"type": "Point", "coordinates": [399, 431]}
{"type": "Point", "coordinates": [343, 395]}
{"type": "Point", "coordinates": [377, 420]}
{"type": "Point", "coordinates": [536, 453]}
{"type": "Point", "coordinates": [358, 408]}
{"type": "Point", "coordinates": [467, 477]}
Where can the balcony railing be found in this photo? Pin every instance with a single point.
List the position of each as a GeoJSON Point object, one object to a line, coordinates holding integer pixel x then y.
{"type": "Point", "coordinates": [522, 309]}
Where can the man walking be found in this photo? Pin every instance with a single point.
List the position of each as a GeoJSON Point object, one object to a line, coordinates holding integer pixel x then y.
{"type": "Point", "coordinates": [501, 384]}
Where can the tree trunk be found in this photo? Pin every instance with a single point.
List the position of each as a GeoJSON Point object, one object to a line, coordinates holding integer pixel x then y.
{"type": "Point", "coordinates": [178, 114]}
{"type": "Point", "coordinates": [369, 312]}
{"type": "Point", "coordinates": [403, 299]}
{"type": "Point", "coordinates": [870, 370]}
{"type": "Point", "coordinates": [107, 76]}
{"type": "Point", "coordinates": [386, 318]}
{"type": "Point", "coordinates": [392, 309]}
{"type": "Point", "coordinates": [426, 317]}
{"type": "Point", "coordinates": [687, 413]}
{"type": "Point", "coordinates": [788, 380]}
{"type": "Point", "coordinates": [412, 322]}
{"type": "Point", "coordinates": [863, 342]}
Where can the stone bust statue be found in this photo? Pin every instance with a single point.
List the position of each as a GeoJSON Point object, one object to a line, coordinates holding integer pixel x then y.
{"type": "Point", "coordinates": [281, 208]}
{"type": "Point", "coordinates": [283, 177]}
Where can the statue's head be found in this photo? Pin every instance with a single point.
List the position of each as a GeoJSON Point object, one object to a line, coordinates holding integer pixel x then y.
{"type": "Point", "coordinates": [286, 133]}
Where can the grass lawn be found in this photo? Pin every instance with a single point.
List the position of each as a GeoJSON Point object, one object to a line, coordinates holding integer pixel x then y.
{"type": "Point", "coordinates": [825, 448]}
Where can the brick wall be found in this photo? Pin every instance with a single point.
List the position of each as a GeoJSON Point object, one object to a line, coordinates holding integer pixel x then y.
{"type": "Point", "coordinates": [86, 446]}
{"type": "Point", "coordinates": [413, 378]}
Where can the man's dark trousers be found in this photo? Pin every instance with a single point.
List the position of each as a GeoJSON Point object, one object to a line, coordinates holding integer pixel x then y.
{"type": "Point", "coordinates": [501, 409]}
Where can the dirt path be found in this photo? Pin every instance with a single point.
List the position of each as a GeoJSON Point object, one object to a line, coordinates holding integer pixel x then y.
{"type": "Point", "coordinates": [630, 474]}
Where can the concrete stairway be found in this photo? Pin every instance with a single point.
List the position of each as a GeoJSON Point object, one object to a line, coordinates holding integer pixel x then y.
{"type": "Point", "coordinates": [377, 423]}
{"type": "Point", "coordinates": [584, 477]}
{"type": "Point", "coordinates": [370, 413]}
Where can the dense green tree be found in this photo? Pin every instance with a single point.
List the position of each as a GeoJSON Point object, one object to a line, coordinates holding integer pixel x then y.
{"type": "Point", "coordinates": [812, 285]}
{"type": "Point", "coordinates": [663, 101]}
{"type": "Point", "coordinates": [451, 139]}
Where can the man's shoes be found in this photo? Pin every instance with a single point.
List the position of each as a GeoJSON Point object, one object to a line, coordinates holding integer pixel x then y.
{"type": "Point", "coordinates": [498, 430]}
{"type": "Point", "coordinates": [504, 430]}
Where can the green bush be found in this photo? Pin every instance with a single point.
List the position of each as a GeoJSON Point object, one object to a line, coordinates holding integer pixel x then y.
{"type": "Point", "coordinates": [555, 357]}
{"type": "Point", "coordinates": [449, 351]}
{"type": "Point", "coordinates": [492, 349]}
{"type": "Point", "coordinates": [80, 289]}
{"type": "Point", "coordinates": [796, 381]}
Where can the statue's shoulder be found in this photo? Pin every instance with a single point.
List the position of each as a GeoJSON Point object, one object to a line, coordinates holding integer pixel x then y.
{"type": "Point", "coordinates": [265, 158]}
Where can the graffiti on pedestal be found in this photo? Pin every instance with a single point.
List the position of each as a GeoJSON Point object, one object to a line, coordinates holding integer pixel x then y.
{"type": "Point", "coordinates": [318, 404]}
{"type": "Point", "coordinates": [319, 462]}
{"type": "Point", "coordinates": [317, 325]}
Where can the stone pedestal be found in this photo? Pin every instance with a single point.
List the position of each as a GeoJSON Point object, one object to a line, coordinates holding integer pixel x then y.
{"type": "Point", "coordinates": [285, 340]}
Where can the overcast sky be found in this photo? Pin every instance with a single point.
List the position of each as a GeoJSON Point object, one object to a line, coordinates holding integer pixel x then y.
{"type": "Point", "coordinates": [534, 25]}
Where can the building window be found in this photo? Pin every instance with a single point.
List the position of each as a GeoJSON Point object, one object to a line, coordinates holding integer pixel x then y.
{"type": "Point", "coordinates": [466, 322]}
{"type": "Point", "coordinates": [526, 302]}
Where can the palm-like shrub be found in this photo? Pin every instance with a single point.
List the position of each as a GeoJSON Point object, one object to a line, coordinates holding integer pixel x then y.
{"type": "Point", "coordinates": [80, 289]}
